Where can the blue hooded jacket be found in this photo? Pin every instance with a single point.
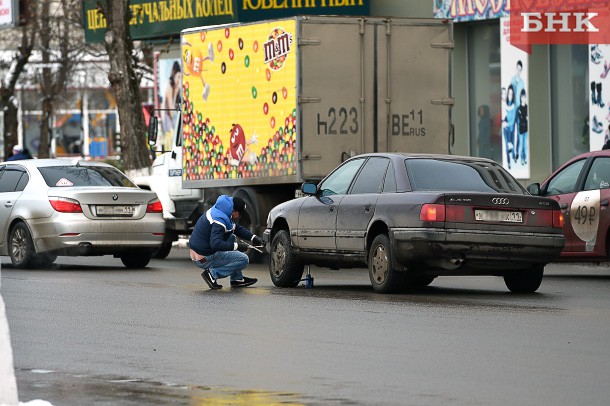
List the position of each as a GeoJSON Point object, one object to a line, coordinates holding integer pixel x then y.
{"type": "Point", "coordinates": [215, 231]}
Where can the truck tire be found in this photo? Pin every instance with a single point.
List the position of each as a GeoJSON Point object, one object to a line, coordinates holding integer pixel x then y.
{"type": "Point", "coordinates": [525, 281]}
{"type": "Point", "coordinates": [383, 276]}
{"type": "Point", "coordinates": [249, 220]}
{"type": "Point", "coordinates": [284, 267]}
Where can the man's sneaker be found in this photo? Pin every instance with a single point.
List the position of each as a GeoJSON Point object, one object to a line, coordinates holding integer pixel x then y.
{"type": "Point", "coordinates": [209, 279]}
{"type": "Point", "coordinates": [243, 282]}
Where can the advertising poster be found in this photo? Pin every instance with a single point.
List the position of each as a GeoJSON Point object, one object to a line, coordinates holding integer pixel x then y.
{"type": "Point", "coordinates": [169, 97]}
{"type": "Point", "coordinates": [239, 110]}
{"type": "Point", "coordinates": [599, 109]}
{"type": "Point", "coordinates": [515, 105]}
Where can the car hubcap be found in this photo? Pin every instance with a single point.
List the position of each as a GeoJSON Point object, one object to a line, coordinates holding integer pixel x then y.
{"type": "Point", "coordinates": [278, 259]}
{"type": "Point", "coordinates": [18, 245]}
{"type": "Point", "coordinates": [379, 265]}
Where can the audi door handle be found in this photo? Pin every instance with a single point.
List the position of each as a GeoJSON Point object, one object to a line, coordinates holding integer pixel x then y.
{"type": "Point", "coordinates": [367, 208]}
{"type": "Point", "coordinates": [331, 208]}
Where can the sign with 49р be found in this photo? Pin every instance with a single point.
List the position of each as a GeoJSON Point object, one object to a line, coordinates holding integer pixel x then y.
{"type": "Point", "coordinates": [584, 214]}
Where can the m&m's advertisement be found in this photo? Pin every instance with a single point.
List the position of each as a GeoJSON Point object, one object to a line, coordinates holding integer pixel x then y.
{"type": "Point", "coordinates": [239, 103]}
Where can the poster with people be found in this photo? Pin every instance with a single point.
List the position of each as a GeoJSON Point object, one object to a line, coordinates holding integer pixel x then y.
{"type": "Point", "coordinates": [169, 78]}
{"type": "Point", "coordinates": [515, 105]}
{"type": "Point", "coordinates": [599, 106]}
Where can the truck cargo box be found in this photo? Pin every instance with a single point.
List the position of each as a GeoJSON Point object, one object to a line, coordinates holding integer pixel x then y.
{"type": "Point", "coordinates": [287, 100]}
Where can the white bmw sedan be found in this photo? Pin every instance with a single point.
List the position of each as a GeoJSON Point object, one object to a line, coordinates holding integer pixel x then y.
{"type": "Point", "coordinates": [51, 207]}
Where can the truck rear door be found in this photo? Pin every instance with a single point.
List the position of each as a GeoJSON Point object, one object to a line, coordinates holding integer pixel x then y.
{"type": "Point", "coordinates": [372, 85]}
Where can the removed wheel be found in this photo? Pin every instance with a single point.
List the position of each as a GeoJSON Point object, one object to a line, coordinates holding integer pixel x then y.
{"type": "Point", "coordinates": [284, 267]}
{"type": "Point", "coordinates": [383, 276]}
{"type": "Point", "coordinates": [136, 259]}
{"type": "Point", "coordinates": [417, 282]}
{"type": "Point", "coordinates": [526, 281]}
{"type": "Point", "coordinates": [20, 247]}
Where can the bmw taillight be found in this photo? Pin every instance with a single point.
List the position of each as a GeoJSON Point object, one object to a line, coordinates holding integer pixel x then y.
{"type": "Point", "coordinates": [65, 205]}
{"type": "Point", "coordinates": [557, 219]}
{"type": "Point", "coordinates": [432, 212]}
{"type": "Point", "coordinates": [154, 206]}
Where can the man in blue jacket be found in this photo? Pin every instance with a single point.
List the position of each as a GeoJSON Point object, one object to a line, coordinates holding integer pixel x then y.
{"type": "Point", "coordinates": [214, 246]}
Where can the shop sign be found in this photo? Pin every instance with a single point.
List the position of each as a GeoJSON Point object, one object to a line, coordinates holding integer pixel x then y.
{"type": "Point", "coordinates": [470, 10]}
{"type": "Point", "coordinates": [158, 19]}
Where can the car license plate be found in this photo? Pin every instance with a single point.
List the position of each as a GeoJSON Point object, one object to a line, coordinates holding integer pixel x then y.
{"type": "Point", "coordinates": [126, 211]}
{"type": "Point", "coordinates": [498, 215]}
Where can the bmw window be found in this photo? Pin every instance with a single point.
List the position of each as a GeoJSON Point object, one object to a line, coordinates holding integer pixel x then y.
{"type": "Point", "coordinates": [11, 180]}
{"type": "Point", "coordinates": [58, 176]}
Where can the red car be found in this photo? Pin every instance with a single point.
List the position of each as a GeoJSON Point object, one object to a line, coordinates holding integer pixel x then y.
{"type": "Point", "coordinates": [581, 186]}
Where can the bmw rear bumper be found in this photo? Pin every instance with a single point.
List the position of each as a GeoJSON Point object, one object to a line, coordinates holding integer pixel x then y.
{"type": "Point", "coordinates": [77, 236]}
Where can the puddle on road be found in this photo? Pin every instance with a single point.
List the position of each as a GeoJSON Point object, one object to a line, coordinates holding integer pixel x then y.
{"type": "Point", "coordinates": [67, 389]}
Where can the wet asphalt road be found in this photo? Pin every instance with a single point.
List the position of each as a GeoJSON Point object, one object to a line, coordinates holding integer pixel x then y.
{"type": "Point", "coordinates": [89, 331]}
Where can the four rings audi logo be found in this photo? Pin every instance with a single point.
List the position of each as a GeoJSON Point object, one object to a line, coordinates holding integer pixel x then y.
{"type": "Point", "coordinates": [500, 200]}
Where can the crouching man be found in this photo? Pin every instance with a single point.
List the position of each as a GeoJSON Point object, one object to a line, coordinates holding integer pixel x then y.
{"type": "Point", "coordinates": [215, 248]}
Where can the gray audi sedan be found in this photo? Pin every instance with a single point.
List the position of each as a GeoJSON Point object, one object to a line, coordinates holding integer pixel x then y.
{"type": "Point", "coordinates": [51, 207]}
{"type": "Point", "coordinates": [410, 218]}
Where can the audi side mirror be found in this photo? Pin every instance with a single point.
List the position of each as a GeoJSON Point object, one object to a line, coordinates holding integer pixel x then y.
{"type": "Point", "coordinates": [309, 188]}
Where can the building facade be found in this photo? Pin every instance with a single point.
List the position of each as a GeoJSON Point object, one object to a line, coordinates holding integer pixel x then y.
{"type": "Point", "coordinates": [562, 88]}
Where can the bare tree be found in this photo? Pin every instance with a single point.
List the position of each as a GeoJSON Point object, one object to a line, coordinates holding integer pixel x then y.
{"type": "Point", "coordinates": [125, 83]}
{"type": "Point", "coordinates": [26, 36]}
{"type": "Point", "coordinates": [61, 47]}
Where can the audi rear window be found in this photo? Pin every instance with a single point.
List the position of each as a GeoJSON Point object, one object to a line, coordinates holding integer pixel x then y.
{"type": "Point", "coordinates": [69, 176]}
{"type": "Point", "coordinates": [441, 175]}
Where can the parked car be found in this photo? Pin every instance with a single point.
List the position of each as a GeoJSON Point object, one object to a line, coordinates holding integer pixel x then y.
{"type": "Point", "coordinates": [581, 186]}
{"type": "Point", "coordinates": [410, 218]}
{"type": "Point", "coordinates": [51, 207]}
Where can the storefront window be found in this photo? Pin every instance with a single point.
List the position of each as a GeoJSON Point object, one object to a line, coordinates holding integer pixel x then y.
{"type": "Point", "coordinates": [485, 105]}
{"type": "Point", "coordinates": [570, 107]}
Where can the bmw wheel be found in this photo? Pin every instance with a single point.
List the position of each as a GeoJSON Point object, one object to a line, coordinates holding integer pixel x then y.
{"type": "Point", "coordinates": [284, 267]}
{"type": "Point", "coordinates": [383, 276]}
{"type": "Point", "coordinates": [20, 247]}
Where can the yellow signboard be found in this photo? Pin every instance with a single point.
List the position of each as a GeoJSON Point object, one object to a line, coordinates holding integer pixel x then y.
{"type": "Point", "coordinates": [239, 109]}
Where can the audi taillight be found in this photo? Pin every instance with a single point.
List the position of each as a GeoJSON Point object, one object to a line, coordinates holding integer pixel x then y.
{"type": "Point", "coordinates": [65, 205]}
{"type": "Point", "coordinates": [154, 206]}
{"type": "Point", "coordinates": [432, 212]}
{"type": "Point", "coordinates": [557, 219]}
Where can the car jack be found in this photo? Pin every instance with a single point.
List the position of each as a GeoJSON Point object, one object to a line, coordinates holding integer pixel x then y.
{"type": "Point", "coordinates": [308, 279]}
